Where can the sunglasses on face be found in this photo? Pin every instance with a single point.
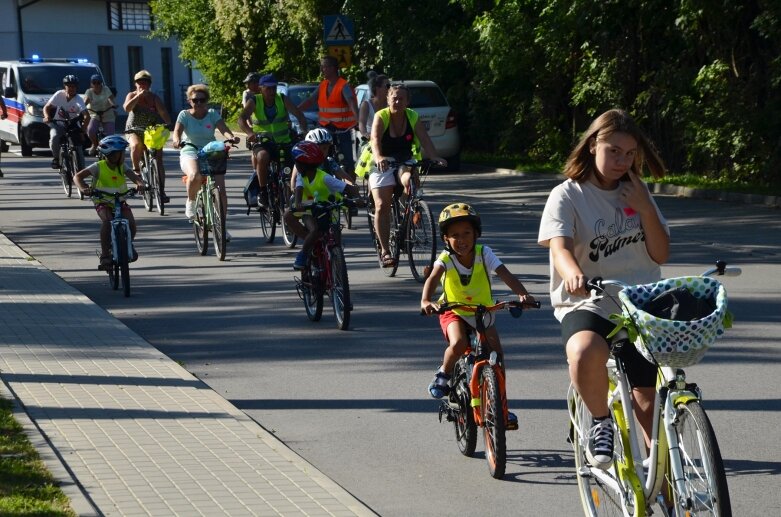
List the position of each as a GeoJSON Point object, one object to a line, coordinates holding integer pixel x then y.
{"type": "Point", "coordinates": [198, 100]}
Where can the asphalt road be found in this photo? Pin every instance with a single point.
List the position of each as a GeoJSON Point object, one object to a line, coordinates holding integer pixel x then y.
{"type": "Point", "coordinates": [355, 403]}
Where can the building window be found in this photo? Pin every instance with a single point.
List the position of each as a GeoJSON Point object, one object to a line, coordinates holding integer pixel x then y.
{"type": "Point", "coordinates": [129, 16]}
{"type": "Point", "coordinates": [106, 63]}
{"type": "Point", "coordinates": [135, 63]}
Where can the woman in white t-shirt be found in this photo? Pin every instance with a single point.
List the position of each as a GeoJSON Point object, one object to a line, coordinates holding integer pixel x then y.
{"type": "Point", "coordinates": [197, 126]}
{"type": "Point", "coordinates": [602, 221]}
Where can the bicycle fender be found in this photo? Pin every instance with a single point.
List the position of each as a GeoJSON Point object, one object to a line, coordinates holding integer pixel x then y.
{"type": "Point", "coordinates": [683, 397]}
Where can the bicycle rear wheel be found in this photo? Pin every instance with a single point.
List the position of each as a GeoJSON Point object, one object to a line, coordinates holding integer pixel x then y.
{"type": "Point", "coordinates": [218, 223]}
{"type": "Point", "coordinates": [493, 422]}
{"type": "Point", "coordinates": [340, 288]}
{"type": "Point", "coordinates": [421, 240]}
{"type": "Point", "coordinates": [464, 422]}
{"type": "Point", "coordinates": [200, 228]}
{"type": "Point", "coordinates": [706, 491]}
{"type": "Point", "coordinates": [154, 174]}
{"type": "Point", "coordinates": [66, 174]}
{"type": "Point", "coordinates": [123, 261]}
{"type": "Point", "coordinates": [312, 292]}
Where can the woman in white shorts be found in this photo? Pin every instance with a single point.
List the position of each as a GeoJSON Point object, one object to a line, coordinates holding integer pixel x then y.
{"type": "Point", "coordinates": [395, 130]}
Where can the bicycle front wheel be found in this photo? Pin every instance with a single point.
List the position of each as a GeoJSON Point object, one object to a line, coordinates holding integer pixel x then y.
{"type": "Point", "coordinates": [394, 240]}
{"type": "Point", "coordinates": [149, 182]}
{"type": "Point", "coordinates": [288, 236]}
{"type": "Point", "coordinates": [340, 288]}
{"type": "Point", "coordinates": [493, 422]}
{"type": "Point", "coordinates": [267, 224]}
{"type": "Point", "coordinates": [200, 228]}
{"type": "Point", "coordinates": [597, 498]}
{"type": "Point", "coordinates": [705, 482]}
{"type": "Point", "coordinates": [154, 174]}
{"type": "Point", "coordinates": [421, 241]}
{"type": "Point", "coordinates": [66, 174]}
{"type": "Point", "coordinates": [75, 167]}
{"type": "Point", "coordinates": [218, 223]}
{"type": "Point", "coordinates": [123, 261]}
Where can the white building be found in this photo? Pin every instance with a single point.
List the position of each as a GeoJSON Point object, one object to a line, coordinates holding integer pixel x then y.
{"type": "Point", "coordinates": [113, 35]}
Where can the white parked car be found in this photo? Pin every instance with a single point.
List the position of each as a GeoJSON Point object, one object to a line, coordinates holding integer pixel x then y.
{"type": "Point", "coordinates": [298, 93]}
{"type": "Point", "coordinates": [435, 113]}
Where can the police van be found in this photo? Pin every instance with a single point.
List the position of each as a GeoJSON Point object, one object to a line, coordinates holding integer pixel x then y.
{"type": "Point", "coordinates": [27, 84]}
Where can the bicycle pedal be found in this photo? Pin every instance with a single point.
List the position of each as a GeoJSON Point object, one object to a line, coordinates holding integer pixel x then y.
{"type": "Point", "coordinates": [511, 426]}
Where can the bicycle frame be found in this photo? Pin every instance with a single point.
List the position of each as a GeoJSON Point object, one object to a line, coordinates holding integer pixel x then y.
{"type": "Point", "coordinates": [643, 478]}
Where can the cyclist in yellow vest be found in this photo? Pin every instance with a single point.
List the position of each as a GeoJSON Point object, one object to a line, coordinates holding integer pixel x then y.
{"type": "Point", "coordinates": [312, 184]}
{"type": "Point", "coordinates": [109, 175]}
{"type": "Point", "coordinates": [464, 269]}
{"type": "Point", "coordinates": [270, 112]}
{"type": "Point", "coordinates": [337, 109]}
{"type": "Point", "coordinates": [395, 130]}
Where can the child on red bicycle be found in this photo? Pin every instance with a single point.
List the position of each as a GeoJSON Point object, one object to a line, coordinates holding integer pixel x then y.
{"type": "Point", "coordinates": [464, 270]}
{"type": "Point", "coordinates": [312, 184]}
{"type": "Point", "coordinates": [109, 175]}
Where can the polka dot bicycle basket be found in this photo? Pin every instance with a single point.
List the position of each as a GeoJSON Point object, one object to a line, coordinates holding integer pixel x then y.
{"type": "Point", "coordinates": [671, 342]}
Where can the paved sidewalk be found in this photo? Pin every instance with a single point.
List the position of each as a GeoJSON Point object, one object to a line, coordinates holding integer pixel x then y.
{"type": "Point", "coordinates": [134, 433]}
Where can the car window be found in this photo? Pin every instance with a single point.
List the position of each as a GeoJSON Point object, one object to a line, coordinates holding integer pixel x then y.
{"type": "Point", "coordinates": [426, 97]}
{"type": "Point", "coordinates": [42, 80]}
{"type": "Point", "coordinates": [299, 94]}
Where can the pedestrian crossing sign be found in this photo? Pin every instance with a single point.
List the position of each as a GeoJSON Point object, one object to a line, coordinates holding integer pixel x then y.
{"type": "Point", "coordinates": [338, 30]}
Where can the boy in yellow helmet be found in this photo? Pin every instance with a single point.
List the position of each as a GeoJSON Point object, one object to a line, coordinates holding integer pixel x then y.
{"type": "Point", "coordinates": [464, 270]}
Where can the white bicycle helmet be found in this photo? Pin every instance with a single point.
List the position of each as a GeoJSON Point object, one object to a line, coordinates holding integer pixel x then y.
{"type": "Point", "coordinates": [319, 136]}
{"type": "Point", "coordinates": [111, 144]}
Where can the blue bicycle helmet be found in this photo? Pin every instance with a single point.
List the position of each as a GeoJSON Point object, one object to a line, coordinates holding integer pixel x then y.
{"type": "Point", "coordinates": [112, 144]}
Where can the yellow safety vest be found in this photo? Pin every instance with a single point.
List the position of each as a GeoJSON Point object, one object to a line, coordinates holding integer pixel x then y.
{"type": "Point", "coordinates": [364, 164]}
{"type": "Point", "coordinates": [279, 127]}
{"type": "Point", "coordinates": [477, 291]}
{"type": "Point", "coordinates": [109, 180]}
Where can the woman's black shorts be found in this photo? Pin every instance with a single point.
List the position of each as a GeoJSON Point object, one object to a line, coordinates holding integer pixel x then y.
{"type": "Point", "coordinates": [639, 371]}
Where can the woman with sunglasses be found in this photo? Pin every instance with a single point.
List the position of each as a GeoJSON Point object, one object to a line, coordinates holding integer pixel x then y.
{"type": "Point", "coordinates": [144, 108]}
{"type": "Point", "coordinates": [99, 99]}
{"type": "Point", "coordinates": [196, 126]}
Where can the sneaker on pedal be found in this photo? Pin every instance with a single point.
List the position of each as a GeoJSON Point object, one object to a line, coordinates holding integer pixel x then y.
{"type": "Point", "coordinates": [263, 198]}
{"type": "Point", "coordinates": [55, 164]}
{"type": "Point", "coordinates": [439, 387]}
{"type": "Point", "coordinates": [512, 421]}
{"type": "Point", "coordinates": [165, 198]}
{"type": "Point", "coordinates": [189, 209]}
{"type": "Point", "coordinates": [105, 263]}
{"type": "Point", "coordinates": [300, 262]}
{"type": "Point", "coordinates": [600, 443]}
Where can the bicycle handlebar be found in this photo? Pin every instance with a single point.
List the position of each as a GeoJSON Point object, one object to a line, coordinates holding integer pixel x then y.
{"type": "Point", "coordinates": [598, 284]}
{"type": "Point", "coordinates": [128, 193]}
{"type": "Point", "coordinates": [499, 305]}
{"type": "Point", "coordinates": [327, 206]}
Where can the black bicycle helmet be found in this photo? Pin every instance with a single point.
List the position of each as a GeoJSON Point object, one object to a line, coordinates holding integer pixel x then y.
{"type": "Point", "coordinates": [70, 79]}
{"type": "Point", "coordinates": [459, 212]}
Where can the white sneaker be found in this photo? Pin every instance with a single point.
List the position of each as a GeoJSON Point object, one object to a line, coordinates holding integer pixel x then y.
{"type": "Point", "coordinates": [189, 209]}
